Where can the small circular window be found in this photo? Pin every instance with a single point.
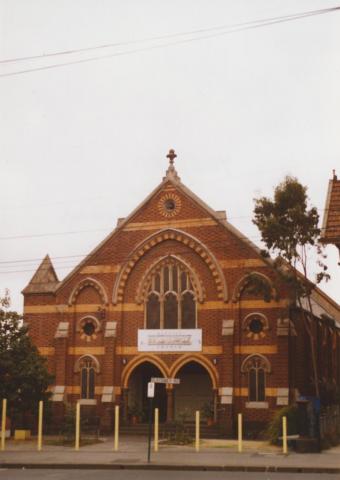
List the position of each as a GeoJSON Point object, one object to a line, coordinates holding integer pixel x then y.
{"type": "Point", "coordinates": [89, 328]}
{"type": "Point", "coordinates": [170, 205]}
{"type": "Point", "coordinates": [256, 325]}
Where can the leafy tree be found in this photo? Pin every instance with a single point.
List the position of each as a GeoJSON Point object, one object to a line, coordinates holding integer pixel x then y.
{"type": "Point", "coordinates": [24, 377]}
{"type": "Point", "coordinates": [289, 229]}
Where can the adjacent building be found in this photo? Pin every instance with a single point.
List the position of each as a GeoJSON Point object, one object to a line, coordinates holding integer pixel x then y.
{"type": "Point", "coordinates": [331, 219]}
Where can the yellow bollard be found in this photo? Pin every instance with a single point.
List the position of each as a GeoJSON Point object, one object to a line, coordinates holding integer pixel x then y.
{"type": "Point", "coordinates": [116, 442]}
{"type": "Point", "coordinates": [284, 434]}
{"type": "Point", "coordinates": [3, 423]}
{"type": "Point", "coordinates": [156, 430]}
{"type": "Point", "coordinates": [77, 425]}
{"type": "Point", "coordinates": [197, 442]}
{"type": "Point", "coordinates": [239, 431]}
{"type": "Point", "coordinates": [40, 425]}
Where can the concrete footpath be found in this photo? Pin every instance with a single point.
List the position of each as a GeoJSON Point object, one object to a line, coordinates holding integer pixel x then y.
{"type": "Point", "coordinates": [214, 455]}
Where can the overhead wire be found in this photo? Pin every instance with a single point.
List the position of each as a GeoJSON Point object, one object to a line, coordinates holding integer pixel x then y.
{"type": "Point", "coordinates": [163, 37]}
{"type": "Point", "coordinates": [52, 234]}
{"type": "Point", "coordinates": [107, 259]}
{"type": "Point", "coordinates": [61, 259]}
{"type": "Point", "coordinates": [250, 25]}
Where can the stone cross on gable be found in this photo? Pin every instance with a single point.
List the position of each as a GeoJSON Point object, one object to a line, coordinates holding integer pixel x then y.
{"type": "Point", "coordinates": [171, 156]}
{"type": "Point", "coordinates": [171, 171]}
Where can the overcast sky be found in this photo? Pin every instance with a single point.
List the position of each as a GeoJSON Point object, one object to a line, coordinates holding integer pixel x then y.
{"type": "Point", "coordinates": [83, 144]}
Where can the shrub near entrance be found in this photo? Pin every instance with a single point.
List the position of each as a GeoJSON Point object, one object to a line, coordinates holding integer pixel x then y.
{"type": "Point", "coordinates": [274, 430]}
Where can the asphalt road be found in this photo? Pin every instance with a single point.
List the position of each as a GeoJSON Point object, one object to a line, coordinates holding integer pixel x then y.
{"type": "Point", "coordinates": [9, 474]}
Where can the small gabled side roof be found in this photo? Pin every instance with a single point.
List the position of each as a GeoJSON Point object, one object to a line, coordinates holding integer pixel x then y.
{"type": "Point", "coordinates": [331, 222]}
{"type": "Point", "coordinates": [44, 280]}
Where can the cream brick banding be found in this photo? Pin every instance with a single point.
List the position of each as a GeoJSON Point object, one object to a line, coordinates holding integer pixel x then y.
{"type": "Point", "coordinates": [134, 307]}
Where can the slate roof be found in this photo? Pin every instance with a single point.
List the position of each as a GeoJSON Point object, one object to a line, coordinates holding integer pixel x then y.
{"type": "Point", "coordinates": [331, 221]}
{"type": "Point", "coordinates": [44, 280]}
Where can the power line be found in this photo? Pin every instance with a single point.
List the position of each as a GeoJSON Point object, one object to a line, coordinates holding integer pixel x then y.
{"type": "Point", "coordinates": [107, 259]}
{"type": "Point", "coordinates": [259, 24]}
{"type": "Point", "coordinates": [40, 259]}
{"type": "Point", "coordinates": [163, 37]}
{"type": "Point", "coordinates": [37, 235]}
{"type": "Point", "coordinates": [32, 271]}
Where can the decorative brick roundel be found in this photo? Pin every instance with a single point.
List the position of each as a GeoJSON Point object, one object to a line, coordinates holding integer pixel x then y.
{"type": "Point", "coordinates": [88, 328]}
{"type": "Point", "coordinates": [169, 205]}
{"type": "Point", "coordinates": [255, 326]}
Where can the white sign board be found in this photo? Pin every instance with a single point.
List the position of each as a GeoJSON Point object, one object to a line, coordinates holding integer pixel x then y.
{"type": "Point", "coordinates": [170, 340]}
{"type": "Point", "coordinates": [172, 381]}
{"type": "Point", "coordinates": [151, 390]}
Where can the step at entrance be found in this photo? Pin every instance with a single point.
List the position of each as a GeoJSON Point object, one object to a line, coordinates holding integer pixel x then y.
{"type": "Point", "coordinates": [170, 428]}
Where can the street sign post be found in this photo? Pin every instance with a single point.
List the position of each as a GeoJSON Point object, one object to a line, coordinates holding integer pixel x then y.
{"type": "Point", "coordinates": [151, 394]}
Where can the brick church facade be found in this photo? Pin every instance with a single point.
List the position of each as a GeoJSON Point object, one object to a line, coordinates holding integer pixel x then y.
{"type": "Point", "coordinates": [167, 294]}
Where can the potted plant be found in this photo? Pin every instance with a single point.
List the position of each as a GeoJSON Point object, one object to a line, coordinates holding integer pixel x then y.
{"type": "Point", "coordinates": [207, 411]}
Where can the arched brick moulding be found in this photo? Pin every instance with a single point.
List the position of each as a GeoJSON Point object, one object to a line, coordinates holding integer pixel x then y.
{"type": "Point", "coordinates": [135, 362]}
{"type": "Point", "coordinates": [179, 236]}
{"type": "Point", "coordinates": [143, 284]}
{"type": "Point", "coordinates": [89, 317]}
{"type": "Point", "coordinates": [209, 367]}
{"type": "Point", "coordinates": [247, 318]}
{"type": "Point", "coordinates": [242, 283]}
{"type": "Point", "coordinates": [95, 361]}
{"type": "Point", "coordinates": [266, 362]}
{"type": "Point", "coordinates": [88, 282]}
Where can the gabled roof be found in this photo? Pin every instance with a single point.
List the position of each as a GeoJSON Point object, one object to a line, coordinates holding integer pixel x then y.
{"type": "Point", "coordinates": [44, 280]}
{"type": "Point", "coordinates": [331, 221]}
{"type": "Point", "coordinates": [172, 177]}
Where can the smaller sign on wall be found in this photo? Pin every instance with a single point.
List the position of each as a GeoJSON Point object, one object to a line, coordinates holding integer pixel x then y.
{"type": "Point", "coordinates": [170, 340]}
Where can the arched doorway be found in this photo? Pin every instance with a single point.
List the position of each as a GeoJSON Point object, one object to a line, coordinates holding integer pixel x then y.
{"type": "Point", "coordinates": [138, 386]}
{"type": "Point", "coordinates": [194, 391]}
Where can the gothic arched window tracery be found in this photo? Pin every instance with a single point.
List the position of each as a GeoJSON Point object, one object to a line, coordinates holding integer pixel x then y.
{"type": "Point", "coordinates": [256, 366]}
{"type": "Point", "coordinates": [170, 299]}
{"type": "Point", "coordinates": [87, 378]}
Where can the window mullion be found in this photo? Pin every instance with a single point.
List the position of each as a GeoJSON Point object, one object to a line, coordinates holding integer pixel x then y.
{"type": "Point", "coordinates": [179, 309]}
{"type": "Point", "coordinates": [170, 278]}
{"type": "Point", "coordinates": [161, 299]}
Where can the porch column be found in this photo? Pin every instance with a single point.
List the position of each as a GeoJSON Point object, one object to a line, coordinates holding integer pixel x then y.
{"type": "Point", "coordinates": [170, 403]}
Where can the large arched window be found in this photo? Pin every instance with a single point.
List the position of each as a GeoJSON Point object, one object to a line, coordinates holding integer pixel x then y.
{"type": "Point", "coordinates": [256, 366]}
{"type": "Point", "coordinates": [87, 378]}
{"type": "Point", "coordinates": [170, 299]}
